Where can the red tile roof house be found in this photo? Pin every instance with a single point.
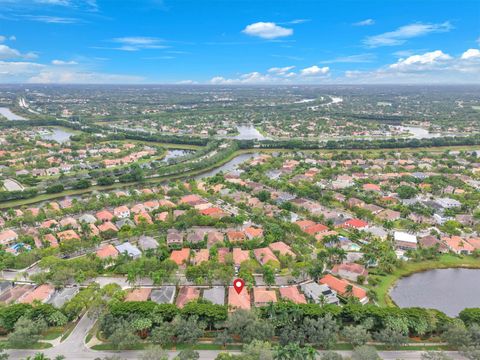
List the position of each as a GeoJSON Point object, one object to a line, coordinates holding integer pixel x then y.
{"type": "Point", "coordinates": [475, 242]}
{"type": "Point", "coordinates": [122, 212]}
{"type": "Point", "coordinates": [293, 294]}
{"type": "Point", "coordinates": [303, 224]}
{"type": "Point", "coordinates": [151, 205]}
{"type": "Point", "coordinates": [42, 293]}
{"type": "Point", "coordinates": [252, 232]}
{"type": "Point", "coordinates": [265, 255]}
{"type": "Point", "coordinates": [350, 271]}
{"type": "Point", "coordinates": [316, 229]}
{"type": "Point", "coordinates": [240, 256]}
{"type": "Point", "coordinates": [187, 294]}
{"type": "Point", "coordinates": [214, 212]}
{"type": "Point", "coordinates": [263, 297]}
{"type": "Point", "coordinates": [340, 286]}
{"type": "Point", "coordinates": [234, 236]}
{"type": "Point", "coordinates": [143, 217]}
{"type": "Point", "coordinates": [107, 226]}
{"type": "Point", "coordinates": [142, 294]}
{"type": "Point", "coordinates": [222, 253]}
{"type": "Point", "coordinates": [8, 237]}
{"type": "Point", "coordinates": [190, 199]}
{"type": "Point", "coordinates": [214, 237]}
{"type": "Point", "coordinates": [180, 257]}
{"type": "Point", "coordinates": [282, 248]}
{"type": "Point", "coordinates": [371, 187]}
{"type": "Point", "coordinates": [51, 239]}
{"type": "Point", "coordinates": [355, 224]}
{"type": "Point", "coordinates": [107, 251]}
{"type": "Point", "coordinates": [238, 301]}
{"type": "Point", "coordinates": [458, 245]}
{"type": "Point", "coordinates": [104, 216]}
{"type": "Point", "coordinates": [201, 255]}
{"type": "Point", "coordinates": [68, 235]}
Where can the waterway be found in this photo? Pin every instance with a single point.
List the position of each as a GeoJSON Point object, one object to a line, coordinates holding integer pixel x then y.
{"type": "Point", "coordinates": [228, 166]}
{"type": "Point", "coordinates": [249, 132]}
{"type": "Point", "coordinates": [9, 115]}
{"type": "Point", "coordinates": [447, 290]}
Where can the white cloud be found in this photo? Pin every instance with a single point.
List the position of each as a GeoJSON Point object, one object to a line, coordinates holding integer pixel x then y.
{"type": "Point", "coordinates": [30, 72]}
{"type": "Point", "coordinates": [7, 52]}
{"type": "Point", "coordinates": [187, 82]}
{"type": "Point", "coordinates": [280, 70]}
{"type": "Point", "coordinates": [358, 58]}
{"type": "Point", "coordinates": [366, 22]}
{"type": "Point", "coordinates": [54, 2]}
{"type": "Point", "coordinates": [471, 54]}
{"type": "Point", "coordinates": [267, 30]}
{"type": "Point", "coordinates": [62, 62]}
{"type": "Point", "coordinates": [435, 67]}
{"type": "Point", "coordinates": [314, 71]}
{"type": "Point", "coordinates": [276, 75]}
{"type": "Point", "coordinates": [135, 43]}
{"type": "Point", "coordinates": [49, 76]}
{"type": "Point", "coordinates": [2, 38]}
{"type": "Point", "coordinates": [52, 19]}
{"type": "Point", "coordinates": [419, 62]}
{"type": "Point", "coordinates": [403, 33]}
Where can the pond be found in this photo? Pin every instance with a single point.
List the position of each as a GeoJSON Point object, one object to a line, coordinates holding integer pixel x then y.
{"type": "Point", "coordinates": [418, 132]}
{"type": "Point", "coordinates": [175, 153]}
{"type": "Point", "coordinates": [249, 132]}
{"type": "Point", "coordinates": [57, 134]}
{"type": "Point", "coordinates": [228, 166]}
{"type": "Point", "coordinates": [9, 115]}
{"type": "Point", "coordinates": [447, 290]}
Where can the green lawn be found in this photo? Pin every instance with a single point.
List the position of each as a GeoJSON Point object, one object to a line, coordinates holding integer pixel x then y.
{"type": "Point", "coordinates": [37, 346]}
{"type": "Point", "coordinates": [53, 333]}
{"type": "Point", "coordinates": [443, 262]}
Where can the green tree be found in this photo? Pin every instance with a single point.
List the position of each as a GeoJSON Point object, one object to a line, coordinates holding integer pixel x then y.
{"type": "Point", "coordinates": [187, 354]}
{"type": "Point", "coordinates": [322, 331]}
{"type": "Point", "coordinates": [26, 332]}
{"type": "Point", "coordinates": [365, 353]}
{"type": "Point", "coordinates": [355, 335]}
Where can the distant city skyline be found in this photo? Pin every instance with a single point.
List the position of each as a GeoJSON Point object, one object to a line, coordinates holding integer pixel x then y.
{"type": "Point", "coordinates": [240, 42]}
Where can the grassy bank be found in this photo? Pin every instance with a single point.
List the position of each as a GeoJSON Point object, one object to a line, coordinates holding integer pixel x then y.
{"type": "Point", "coordinates": [443, 262]}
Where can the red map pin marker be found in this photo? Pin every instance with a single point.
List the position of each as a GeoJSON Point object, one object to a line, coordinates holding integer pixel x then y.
{"type": "Point", "coordinates": [239, 284]}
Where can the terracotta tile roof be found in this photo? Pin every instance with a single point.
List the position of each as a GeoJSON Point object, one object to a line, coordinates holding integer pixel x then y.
{"type": "Point", "coordinates": [293, 294]}
{"type": "Point", "coordinates": [107, 226]}
{"type": "Point", "coordinates": [104, 215]}
{"type": "Point", "coordinates": [68, 235]}
{"type": "Point", "coordinates": [282, 248]}
{"type": "Point", "coordinates": [240, 256]}
{"type": "Point", "coordinates": [141, 294]}
{"type": "Point", "coordinates": [252, 232]}
{"type": "Point", "coordinates": [355, 223]}
{"type": "Point", "coordinates": [263, 296]}
{"type": "Point", "coordinates": [238, 301]}
{"type": "Point", "coordinates": [340, 286]}
{"type": "Point", "coordinates": [187, 294]}
{"type": "Point", "coordinates": [201, 255]}
{"type": "Point", "coordinates": [41, 293]}
{"type": "Point", "coordinates": [264, 255]}
{"type": "Point", "coordinates": [107, 251]}
{"type": "Point", "coordinates": [180, 256]}
{"type": "Point", "coordinates": [233, 235]}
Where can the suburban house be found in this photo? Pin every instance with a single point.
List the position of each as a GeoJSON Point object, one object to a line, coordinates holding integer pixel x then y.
{"type": "Point", "coordinates": [350, 271]}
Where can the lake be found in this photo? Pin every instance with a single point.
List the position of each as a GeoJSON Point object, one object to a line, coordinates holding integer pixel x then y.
{"type": "Point", "coordinates": [447, 290]}
{"type": "Point", "coordinates": [57, 134]}
{"type": "Point", "coordinates": [249, 132]}
{"type": "Point", "coordinates": [228, 166]}
{"type": "Point", "coordinates": [175, 153]}
{"type": "Point", "coordinates": [5, 112]}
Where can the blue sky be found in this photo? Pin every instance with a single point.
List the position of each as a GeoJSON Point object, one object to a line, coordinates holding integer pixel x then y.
{"type": "Point", "coordinates": [239, 42]}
